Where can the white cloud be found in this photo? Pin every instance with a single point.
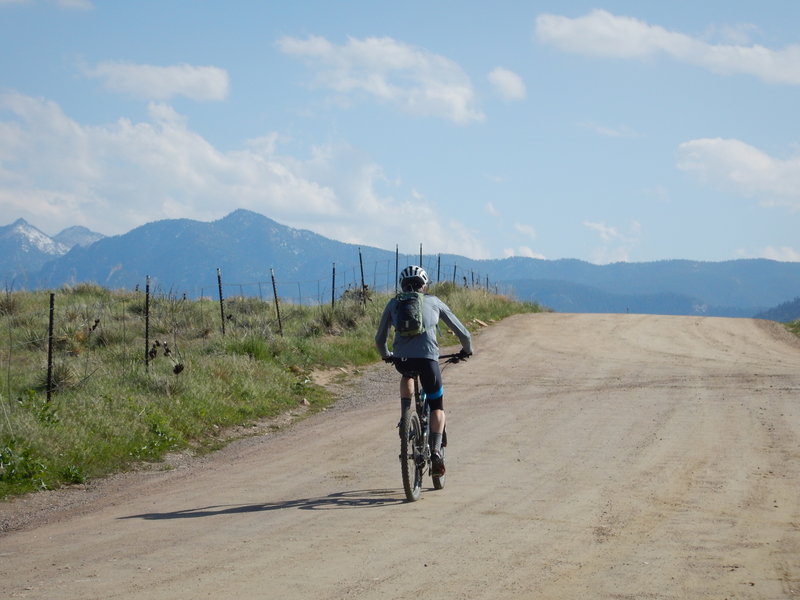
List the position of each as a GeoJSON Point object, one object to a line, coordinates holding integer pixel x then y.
{"type": "Point", "coordinates": [417, 81]}
{"type": "Point", "coordinates": [740, 35]}
{"type": "Point", "coordinates": [607, 233]}
{"type": "Point", "coordinates": [55, 172]}
{"type": "Point", "coordinates": [734, 165]}
{"type": "Point", "coordinates": [526, 230]}
{"type": "Point", "coordinates": [523, 251]}
{"type": "Point", "coordinates": [162, 83]}
{"type": "Point", "coordinates": [600, 33]}
{"type": "Point", "coordinates": [371, 213]}
{"type": "Point", "coordinates": [507, 84]}
{"type": "Point", "coordinates": [490, 209]}
{"type": "Point", "coordinates": [616, 245]}
{"type": "Point", "coordinates": [781, 253]}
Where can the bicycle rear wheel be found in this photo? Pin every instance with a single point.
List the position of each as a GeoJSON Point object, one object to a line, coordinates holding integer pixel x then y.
{"type": "Point", "coordinates": [411, 460]}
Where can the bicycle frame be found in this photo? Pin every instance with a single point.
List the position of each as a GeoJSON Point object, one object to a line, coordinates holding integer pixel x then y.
{"type": "Point", "coordinates": [423, 412]}
{"type": "Point", "coordinates": [414, 439]}
{"type": "Point", "coordinates": [422, 406]}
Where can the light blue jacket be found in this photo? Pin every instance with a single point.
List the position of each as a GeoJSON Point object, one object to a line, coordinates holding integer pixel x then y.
{"type": "Point", "coordinates": [424, 345]}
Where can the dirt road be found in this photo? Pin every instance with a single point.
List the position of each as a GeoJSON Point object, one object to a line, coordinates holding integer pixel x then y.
{"type": "Point", "coordinates": [590, 456]}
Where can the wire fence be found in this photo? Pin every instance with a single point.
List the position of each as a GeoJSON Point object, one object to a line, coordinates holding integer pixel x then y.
{"type": "Point", "coordinates": [380, 276]}
{"type": "Point", "coordinates": [50, 345]}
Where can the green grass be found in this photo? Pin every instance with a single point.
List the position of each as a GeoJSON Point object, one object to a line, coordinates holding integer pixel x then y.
{"type": "Point", "coordinates": [108, 412]}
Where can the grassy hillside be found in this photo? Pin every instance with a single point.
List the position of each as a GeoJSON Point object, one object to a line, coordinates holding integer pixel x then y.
{"type": "Point", "coordinates": [109, 408]}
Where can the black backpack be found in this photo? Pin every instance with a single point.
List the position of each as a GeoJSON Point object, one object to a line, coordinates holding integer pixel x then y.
{"type": "Point", "coordinates": [409, 314]}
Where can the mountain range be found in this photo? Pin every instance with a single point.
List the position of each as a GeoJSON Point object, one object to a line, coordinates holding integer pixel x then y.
{"type": "Point", "coordinates": [24, 249]}
{"type": "Point", "coordinates": [182, 256]}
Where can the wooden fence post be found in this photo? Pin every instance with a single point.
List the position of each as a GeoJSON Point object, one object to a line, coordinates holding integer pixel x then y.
{"type": "Point", "coordinates": [363, 287]}
{"type": "Point", "coordinates": [221, 301]}
{"type": "Point", "coordinates": [333, 287]}
{"type": "Point", "coordinates": [277, 304]}
{"type": "Point", "coordinates": [147, 324]}
{"type": "Point", "coordinates": [50, 348]}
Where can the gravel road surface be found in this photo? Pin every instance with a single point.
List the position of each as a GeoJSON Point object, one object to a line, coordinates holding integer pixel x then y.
{"type": "Point", "coordinates": [590, 456]}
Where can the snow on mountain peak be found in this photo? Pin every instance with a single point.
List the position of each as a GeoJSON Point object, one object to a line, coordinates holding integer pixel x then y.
{"type": "Point", "coordinates": [32, 238]}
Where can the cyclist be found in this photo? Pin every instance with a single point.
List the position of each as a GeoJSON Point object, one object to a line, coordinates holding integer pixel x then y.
{"type": "Point", "coordinates": [420, 353]}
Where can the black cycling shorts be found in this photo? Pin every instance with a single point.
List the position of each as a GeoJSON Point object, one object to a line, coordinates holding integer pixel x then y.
{"type": "Point", "coordinates": [430, 376]}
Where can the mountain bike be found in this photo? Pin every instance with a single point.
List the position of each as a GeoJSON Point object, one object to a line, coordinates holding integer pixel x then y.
{"type": "Point", "coordinates": [415, 453]}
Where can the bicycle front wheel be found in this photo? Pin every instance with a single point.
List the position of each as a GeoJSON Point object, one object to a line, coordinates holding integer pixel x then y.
{"type": "Point", "coordinates": [411, 458]}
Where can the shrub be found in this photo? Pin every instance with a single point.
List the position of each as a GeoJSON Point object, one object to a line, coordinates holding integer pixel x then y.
{"type": "Point", "coordinates": [9, 304]}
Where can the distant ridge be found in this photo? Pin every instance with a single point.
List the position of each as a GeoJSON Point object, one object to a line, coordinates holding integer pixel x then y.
{"type": "Point", "coordinates": [183, 255]}
{"type": "Point", "coordinates": [785, 313]}
{"type": "Point", "coordinates": [24, 249]}
{"type": "Point", "coordinates": [77, 236]}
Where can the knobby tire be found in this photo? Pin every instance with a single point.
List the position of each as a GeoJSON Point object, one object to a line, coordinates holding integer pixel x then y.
{"type": "Point", "coordinates": [410, 449]}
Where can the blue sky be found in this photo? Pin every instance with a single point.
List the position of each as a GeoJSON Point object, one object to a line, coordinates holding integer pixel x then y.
{"type": "Point", "coordinates": [603, 131]}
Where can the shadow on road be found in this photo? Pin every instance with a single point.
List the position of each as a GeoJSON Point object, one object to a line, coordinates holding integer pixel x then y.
{"type": "Point", "coordinates": [351, 499]}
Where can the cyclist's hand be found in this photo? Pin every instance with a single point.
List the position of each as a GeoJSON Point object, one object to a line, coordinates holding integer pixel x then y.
{"type": "Point", "coordinates": [388, 359]}
{"type": "Point", "coordinates": [464, 355]}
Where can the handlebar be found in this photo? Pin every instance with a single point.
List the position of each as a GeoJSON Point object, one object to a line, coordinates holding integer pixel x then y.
{"type": "Point", "coordinates": [448, 358]}
{"type": "Point", "coordinates": [454, 358]}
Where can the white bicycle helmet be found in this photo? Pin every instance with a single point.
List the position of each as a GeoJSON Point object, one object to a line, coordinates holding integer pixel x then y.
{"type": "Point", "coordinates": [413, 274]}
